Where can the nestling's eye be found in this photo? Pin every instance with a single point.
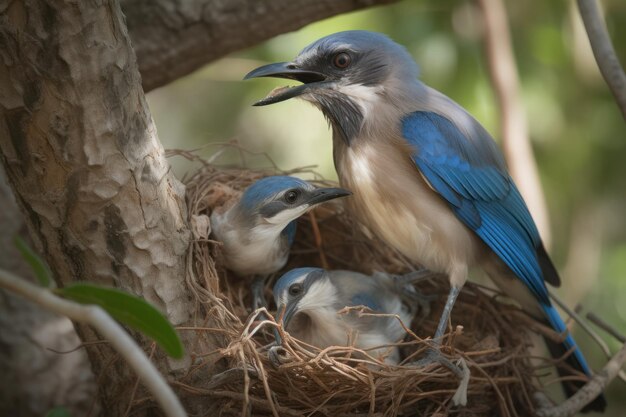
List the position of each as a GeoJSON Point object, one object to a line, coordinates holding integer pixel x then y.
{"type": "Point", "coordinates": [342, 60]}
{"type": "Point", "coordinates": [295, 289]}
{"type": "Point", "coordinates": [291, 196]}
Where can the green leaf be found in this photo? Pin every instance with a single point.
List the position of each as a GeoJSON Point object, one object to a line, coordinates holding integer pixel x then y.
{"type": "Point", "coordinates": [58, 412]}
{"type": "Point", "coordinates": [38, 265]}
{"type": "Point", "coordinates": [130, 310]}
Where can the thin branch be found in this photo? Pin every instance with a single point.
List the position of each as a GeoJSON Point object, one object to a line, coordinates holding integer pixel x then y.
{"type": "Point", "coordinates": [590, 391]}
{"type": "Point", "coordinates": [514, 125]}
{"type": "Point", "coordinates": [603, 51]}
{"type": "Point", "coordinates": [606, 327]}
{"type": "Point", "coordinates": [583, 325]}
{"type": "Point", "coordinates": [109, 328]}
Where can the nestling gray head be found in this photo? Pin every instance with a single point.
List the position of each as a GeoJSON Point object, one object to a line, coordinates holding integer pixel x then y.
{"type": "Point", "coordinates": [257, 231]}
{"type": "Point", "coordinates": [281, 199]}
{"type": "Point", "coordinates": [292, 292]}
{"type": "Point", "coordinates": [342, 74]}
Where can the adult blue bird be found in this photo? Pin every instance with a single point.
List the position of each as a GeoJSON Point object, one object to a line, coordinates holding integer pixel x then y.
{"type": "Point", "coordinates": [310, 301]}
{"type": "Point", "coordinates": [426, 176]}
{"type": "Point", "coordinates": [257, 231]}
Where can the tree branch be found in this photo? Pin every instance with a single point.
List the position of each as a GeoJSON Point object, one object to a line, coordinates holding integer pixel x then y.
{"type": "Point", "coordinates": [514, 126]}
{"type": "Point", "coordinates": [604, 52]}
{"type": "Point", "coordinates": [589, 391]}
{"type": "Point", "coordinates": [107, 327]}
{"type": "Point", "coordinates": [172, 38]}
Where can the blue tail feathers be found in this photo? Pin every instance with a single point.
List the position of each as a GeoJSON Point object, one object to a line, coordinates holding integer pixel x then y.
{"type": "Point", "coordinates": [575, 360]}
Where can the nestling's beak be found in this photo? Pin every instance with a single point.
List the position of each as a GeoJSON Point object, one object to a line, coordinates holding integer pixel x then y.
{"type": "Point", "coordinates": [290, 310]}
{"type": "Point", "coordinates": [283, 316]}
{"type": "Point", "coordinates": [320, 195]}
{"type": "Point", "coordinates": [310, 80]}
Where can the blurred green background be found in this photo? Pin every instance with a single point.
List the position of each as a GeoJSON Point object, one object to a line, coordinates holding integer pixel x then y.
{"type": "Point", "coordinates": [578, 134]}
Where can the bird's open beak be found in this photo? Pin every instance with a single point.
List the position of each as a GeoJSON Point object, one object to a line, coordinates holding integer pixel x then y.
{"type": "Point", "coordinates": [325, 194]}
{"type": "Point", "coordinates": [310, 80]}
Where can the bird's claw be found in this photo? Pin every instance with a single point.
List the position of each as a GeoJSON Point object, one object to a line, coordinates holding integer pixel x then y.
{"type": "Point", "coordinates": [460, 396]}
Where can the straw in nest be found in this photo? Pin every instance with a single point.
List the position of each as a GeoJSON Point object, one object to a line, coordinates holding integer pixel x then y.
{"type": "Point", "coordinates": [343, 381]}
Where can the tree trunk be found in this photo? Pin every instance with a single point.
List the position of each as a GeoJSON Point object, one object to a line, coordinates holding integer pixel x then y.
{"type": "Point", "coordinates": [175, 37]}
{"type": "Point", "coordinates": [28, 332]}
{"type": "Point", "coordinates": [81, 153]}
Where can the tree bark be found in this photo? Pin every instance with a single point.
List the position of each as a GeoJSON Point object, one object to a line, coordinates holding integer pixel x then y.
{"type": "Point", "coordinates": [27, 333]}
{"type": "Point", "coordinates": [175, 37]}
{"type": "Point", "coordinates": [81, 153]}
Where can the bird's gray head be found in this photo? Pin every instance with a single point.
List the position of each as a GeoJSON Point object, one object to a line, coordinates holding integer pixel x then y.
{"type": "Point", "coordinates": [278, 200]}
{"type": "Point", "coordinates": [344, 74]}
{"type": "Point", "coordinates": [302, 289]}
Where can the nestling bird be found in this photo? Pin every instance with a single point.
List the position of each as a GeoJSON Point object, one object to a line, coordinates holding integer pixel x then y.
{"type": "Point", "coordinates": [426, 176]}
{"type": "Point", "coordinates": [258, 230]}
{"type": "Point", "coordinates": [309, 300]}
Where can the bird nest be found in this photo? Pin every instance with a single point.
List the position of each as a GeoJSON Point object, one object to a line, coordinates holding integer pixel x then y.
{"type": "Point", "coordinates": [490, 334]}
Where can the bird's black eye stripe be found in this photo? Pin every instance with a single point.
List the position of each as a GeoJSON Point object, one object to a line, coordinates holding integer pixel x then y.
{"type": "Point", "coordinates": [291, 196]}
{"type": "Point", "coordinates": [342, 60]}
{"type": "Point", "coordinates": [295, 289]}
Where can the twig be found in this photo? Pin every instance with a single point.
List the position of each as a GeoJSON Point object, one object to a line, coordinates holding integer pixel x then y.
{"type": "Point", "coordinates": [101, 375]}
{"type": "Point", "coordinates": [603, 51]}
{"type": "Point", "coordinates": [589, 391]}
{"type": "Point", "coordinates": [318, 239]}
{"type": "Point", "coordinates": [515, 139]}
{"type": "Point", "coordinates": [80, 346]}
{"type": "Point", "coordinates": [583, 325]}
{"type": "Point", "coordinates": [109, 328]}
{"type": "Point", "coordinates": [606, 327]}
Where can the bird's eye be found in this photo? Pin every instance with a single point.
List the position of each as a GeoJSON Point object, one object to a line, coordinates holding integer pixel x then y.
{"type": "Point", "coordinates": [342, 60]}
{"type": "Point", "coordinates": [291, 196]}
{"type": "Point", "coordinates": [295, 289]}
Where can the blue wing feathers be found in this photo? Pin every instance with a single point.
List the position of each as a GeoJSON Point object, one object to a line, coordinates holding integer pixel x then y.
{"type": "Point", "coordinates": [467, 174]}
{"type": "Point", "coordinates": [468, 171]}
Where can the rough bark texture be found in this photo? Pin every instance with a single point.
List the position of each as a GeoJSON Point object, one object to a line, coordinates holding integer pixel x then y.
{"type": "Point", "coordinates": [175, 37]}
{"type": "Point", "coordinates": [81, 153]}
{"type": "Point", "coordinates": [27, 333]}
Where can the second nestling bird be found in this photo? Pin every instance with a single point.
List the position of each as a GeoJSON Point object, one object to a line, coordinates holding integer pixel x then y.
{"type": "Point", "coordinates": [310, 302]}
{"type": "Point", "coordinates": [258, 230]}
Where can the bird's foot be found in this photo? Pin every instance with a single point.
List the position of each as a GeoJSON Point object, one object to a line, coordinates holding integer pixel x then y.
{"type": "Point", "coordinates": [459, 369]}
